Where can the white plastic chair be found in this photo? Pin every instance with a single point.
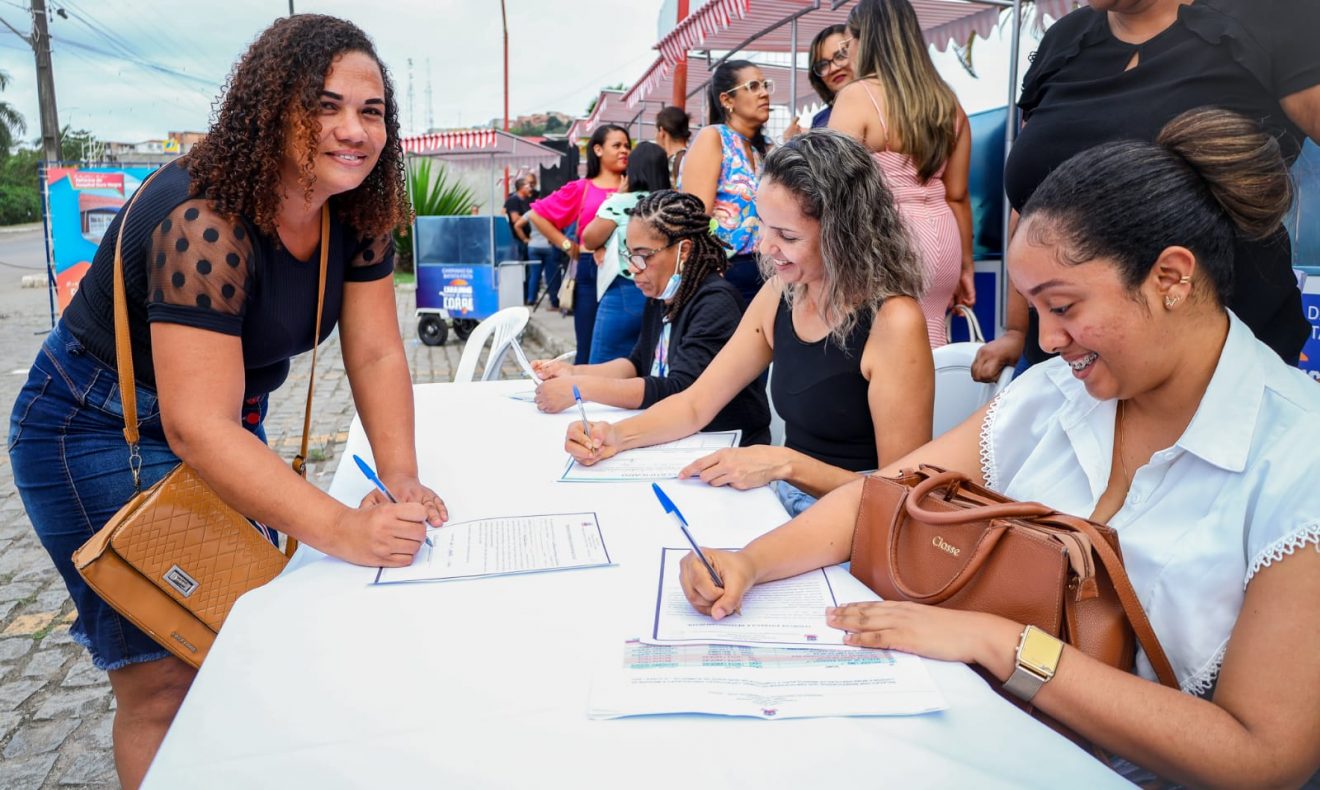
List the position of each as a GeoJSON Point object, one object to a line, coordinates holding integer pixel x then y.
{"type": "Point", "coordinates": [505, 327]}
{"type": "Point", "coordinates": [776, 422]}
{"type": "Point", "coordinates": [957, 394]}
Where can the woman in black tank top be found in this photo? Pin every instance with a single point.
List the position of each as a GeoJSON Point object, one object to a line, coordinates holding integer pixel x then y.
{"type": "Point", "coordinates": [838, 309]}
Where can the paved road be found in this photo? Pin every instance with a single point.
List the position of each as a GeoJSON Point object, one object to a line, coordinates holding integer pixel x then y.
{"type": "Point", "coordinates": [55, 707]}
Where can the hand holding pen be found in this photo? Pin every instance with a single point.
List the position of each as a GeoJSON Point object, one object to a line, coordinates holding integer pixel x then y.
{"type": "Point", "coordinates": [591, 442]}
{"type": "Point", "coordinates": [713, 581]}
{"type": "Point", "coordinates": [404, 490]}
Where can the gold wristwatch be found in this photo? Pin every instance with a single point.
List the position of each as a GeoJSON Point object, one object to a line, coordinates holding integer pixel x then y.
{"type": "Point", "coordinates": [1037, 661]}
{"type": "Point", "coordinates": [566, 245]}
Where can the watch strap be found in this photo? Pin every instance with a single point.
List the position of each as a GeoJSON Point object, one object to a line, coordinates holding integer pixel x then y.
{"type": "Point", "coordinates": [1023, 683]}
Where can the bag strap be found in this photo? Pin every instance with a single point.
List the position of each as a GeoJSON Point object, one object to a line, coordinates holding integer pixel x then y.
{"type": "Point", "coordinates": [974, 332]}
{"type": "Point", "coordinates": [1127, 596]}
{"type": "Point", "coordinates": [1010, 509]}
{"type": "Point", "coordinates": [124, 348]}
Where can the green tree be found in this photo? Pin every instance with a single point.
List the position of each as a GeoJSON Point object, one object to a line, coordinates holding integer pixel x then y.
{"type": "Point", "coordinates": [12, 125]}
{"type": "Point", "coordinates": [432, 193]}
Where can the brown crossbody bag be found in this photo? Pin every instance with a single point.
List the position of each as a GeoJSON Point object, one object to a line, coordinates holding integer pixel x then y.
{"type": "Point", "coordinates": [175, 558]}
{"type": "Point", "coordinates": [933, 537]}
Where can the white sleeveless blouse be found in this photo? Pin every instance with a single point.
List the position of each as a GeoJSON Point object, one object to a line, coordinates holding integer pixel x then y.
{"type": "Point", "coordinates": [1238, 491]}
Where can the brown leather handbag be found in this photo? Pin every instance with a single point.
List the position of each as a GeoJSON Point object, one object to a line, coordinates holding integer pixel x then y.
{"type": "Point", "coordinates": [933, 537]}
{"type": "Point", "coordinates": [175, 558]}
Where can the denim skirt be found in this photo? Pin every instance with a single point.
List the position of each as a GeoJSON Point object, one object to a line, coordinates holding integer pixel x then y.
{"type": "Point", "coordinates": [71, 468]}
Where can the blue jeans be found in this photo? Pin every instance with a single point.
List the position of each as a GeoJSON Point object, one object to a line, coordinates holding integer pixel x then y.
{"type": "Point", "coordinates": [744, 273]}
{"type": "Point", "coordinates": [618, 321]}
{"type": "Point", "coordinates": [547, 266]}
{"type": "Point", "coordinates": [794, 499]}
{"type": "Point", "coordinates": [584, 307]}
{"type": "Point", "coordinates": [66, 445]}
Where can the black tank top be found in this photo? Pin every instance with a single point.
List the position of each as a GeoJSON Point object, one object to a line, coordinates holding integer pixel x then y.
{"type": "Point", "coordinates": [819, 390]}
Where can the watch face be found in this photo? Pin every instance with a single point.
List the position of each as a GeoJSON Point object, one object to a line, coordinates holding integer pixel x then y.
{"type": "Point", "coordinates": [1040, 651]}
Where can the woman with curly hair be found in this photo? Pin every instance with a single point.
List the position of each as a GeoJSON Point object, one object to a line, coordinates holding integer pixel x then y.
{"type": "Point", "coordinates": [221, 252]}
{"type": "Point", "coordinates": [691, 312]}
{"type": "Point", "coordinates": [853, 377]}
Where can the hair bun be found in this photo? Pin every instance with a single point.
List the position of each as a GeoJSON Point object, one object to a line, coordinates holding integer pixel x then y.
{"type": "Point", "coordinates": [1239, 163]}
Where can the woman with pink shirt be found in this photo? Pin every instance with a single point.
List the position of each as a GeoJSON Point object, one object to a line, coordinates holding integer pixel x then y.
{"type": "Point", "coordinates": [575, 203]}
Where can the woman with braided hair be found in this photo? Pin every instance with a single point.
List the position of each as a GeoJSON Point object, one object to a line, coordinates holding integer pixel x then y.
{"type": "Point", "coordinates": [691, 312]}
{"type": "Point", "coordinates": [854, 379]}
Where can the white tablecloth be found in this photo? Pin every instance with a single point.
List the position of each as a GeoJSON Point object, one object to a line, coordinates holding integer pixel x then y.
{"type": "Point", "coordinates": [321, 680]}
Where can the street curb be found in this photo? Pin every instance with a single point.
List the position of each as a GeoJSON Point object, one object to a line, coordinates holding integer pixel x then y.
{"type": "Point", "coordinates": [27, 226]}
{"type": "Point", "coordinates": [554, 345]}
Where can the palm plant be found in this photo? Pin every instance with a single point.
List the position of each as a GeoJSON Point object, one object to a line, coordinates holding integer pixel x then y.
{"type": "Point", "coordinates": [433, 192]}
{"type": "Point", "coordinates": [12, 124]}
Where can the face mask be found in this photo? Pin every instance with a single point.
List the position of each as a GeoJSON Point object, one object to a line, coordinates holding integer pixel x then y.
{"type": "Point", "coordinates": [675, 280]}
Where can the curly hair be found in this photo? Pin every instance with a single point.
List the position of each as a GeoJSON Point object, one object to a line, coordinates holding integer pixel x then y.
{"type": "Point", "coordinates": [863, 243]}
{"type": "Point", "coordinates": [274, 91]}
{"type": "Point", "coordinates": [679, 216]}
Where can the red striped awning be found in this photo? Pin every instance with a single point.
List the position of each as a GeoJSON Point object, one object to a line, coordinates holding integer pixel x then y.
{"type": "Point", "coordinates": [725, 25]}
{"type": "Point", "coordinates": [461, 139]}
{"type": "Point", "coordinates": [480, 147]}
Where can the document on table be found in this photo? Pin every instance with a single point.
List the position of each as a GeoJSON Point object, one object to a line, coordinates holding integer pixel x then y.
{"type": "Point", "coordinates": [505, 546]}
{"type": "Point", "coordinates": [764, 682]}
{"type": "Point", "coordinates": [785, 612]}
{"type": "Point", "coordinates": [658, 462]}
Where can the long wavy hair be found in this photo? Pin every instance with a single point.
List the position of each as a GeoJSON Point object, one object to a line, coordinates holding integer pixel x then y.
{"type": "Point", "coordinates": [271, 99]}
{"type": "Point", "coordinates": [863, 243]}
{"type": "Point", "coordinates": [921, 107]}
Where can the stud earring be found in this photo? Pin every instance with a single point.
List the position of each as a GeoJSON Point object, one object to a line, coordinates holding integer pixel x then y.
{"type": "Point", "coordinates": [1170, 301]}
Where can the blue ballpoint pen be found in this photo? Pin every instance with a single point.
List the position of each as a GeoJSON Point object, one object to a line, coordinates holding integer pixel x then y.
{"type": "Point", "coordinates": [670, 507]}
{"type": "Point", "coordinates": [586, 426]}
{"type": "Point", "coordinates": [371, 475]}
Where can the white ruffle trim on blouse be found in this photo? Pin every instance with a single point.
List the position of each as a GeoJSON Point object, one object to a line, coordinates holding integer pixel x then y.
{"type": "Point", "coordinates": [988, 471]}
{"type": "Point", "coordinates": [1200, 683]}
{"type": "Point", "coordinates": [1298, 539]}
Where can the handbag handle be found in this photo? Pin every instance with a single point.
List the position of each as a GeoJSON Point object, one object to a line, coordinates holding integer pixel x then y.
{"type": "Point", "coordinates": [124, 348]}
{"type": "Point", "coordinates": [944, 518]}
{"type": "Point", "coordinates": [984, 546]}
{"type": "Point", "coordinates": [974, 332]}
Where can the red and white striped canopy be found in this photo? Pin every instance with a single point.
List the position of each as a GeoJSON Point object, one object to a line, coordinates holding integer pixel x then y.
{"type": "Point", "coordinates": [481, 147]}
{"type": "Point", "coordinates": [658, 80]}
{"type": "Point", "coordinates": [763, 25]}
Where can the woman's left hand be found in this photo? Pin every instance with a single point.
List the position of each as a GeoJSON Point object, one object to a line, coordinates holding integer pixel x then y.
{"type": "Point", "coordinates": [740, 467]}
{"type": "Point", "coordinates": [406, 488]}
{"type": "Point", "coordinates": [928, 631]}
{"type": "Point", "coordinates": [555, 395]}
{"type": "Point", "coordinates": [965, 293]}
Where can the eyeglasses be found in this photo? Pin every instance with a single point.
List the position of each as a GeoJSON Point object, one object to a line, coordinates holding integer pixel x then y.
{"type": "Point", "coordinates": [639, 260]}
{"type": "Point", "coordinates": [820, 67]}
{"type": "Point", "coordinates": [755, 86]}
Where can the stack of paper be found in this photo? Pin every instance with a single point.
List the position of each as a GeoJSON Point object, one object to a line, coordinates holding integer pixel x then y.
{"type": "Point", "coordinates": [742, 665]}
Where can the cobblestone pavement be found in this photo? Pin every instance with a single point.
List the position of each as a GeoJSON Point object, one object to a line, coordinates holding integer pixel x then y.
{"type": "Point", "coordinates": [55, 707]}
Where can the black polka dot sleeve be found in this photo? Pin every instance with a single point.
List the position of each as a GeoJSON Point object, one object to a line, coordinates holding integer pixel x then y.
{"type": "Point", "coordinates": [199, 269]}
{"type": "Point", "coordinates": [372, 259]}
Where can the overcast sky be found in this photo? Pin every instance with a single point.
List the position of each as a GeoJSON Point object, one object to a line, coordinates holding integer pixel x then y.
{"type": "Point", "coordinates": [131, 70]}
{"type": "Point", "coordinates": [552, 63]}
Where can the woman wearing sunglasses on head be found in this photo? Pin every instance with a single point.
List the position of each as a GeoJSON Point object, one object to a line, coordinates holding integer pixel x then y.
{"type": "Point", "coordinates": [831, 69]}
{"type": "Point", "coordinates": [723, 166]}
{"type": "Point", "coordinates": [919, 135]}
{"type": "Point", "coordinates": [691, 312]}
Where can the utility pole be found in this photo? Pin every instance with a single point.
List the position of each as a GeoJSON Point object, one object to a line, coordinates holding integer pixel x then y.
{"type": "Point", "coordinates": [679, 98]}
{"type": "Point", "coordinates": [50, 122]}
{"type": "Point", "coordinates": [290, 7]}
{"type": "Point", "coordinates": [504, 19]}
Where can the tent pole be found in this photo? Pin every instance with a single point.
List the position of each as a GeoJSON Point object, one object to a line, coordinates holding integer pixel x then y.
{"type": "Point", "coordinates": [793, 71]}
{"type": "Point", "coordinates": [1010, 135]}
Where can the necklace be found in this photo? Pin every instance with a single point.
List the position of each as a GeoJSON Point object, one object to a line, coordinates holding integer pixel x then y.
{"type": "Point", "coordinates": [1118, 444]}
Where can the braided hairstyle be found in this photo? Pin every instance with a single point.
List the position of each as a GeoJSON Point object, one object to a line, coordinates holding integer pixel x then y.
{"type": "Point", "coordinates": [679, 216]}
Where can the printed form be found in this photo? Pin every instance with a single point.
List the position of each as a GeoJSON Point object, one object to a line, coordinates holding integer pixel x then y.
{"type": "Point", "coordinates": [785, 612]}
{"type": "Point", "coordinates": [505, 546]}
{"type": "Point", "coordinates": [764, 682]}
{"type": "Point", "coordinates": [658, 462]}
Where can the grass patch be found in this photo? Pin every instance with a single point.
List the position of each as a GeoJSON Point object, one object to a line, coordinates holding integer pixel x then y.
{"type": "Point", "coordinates": [405, 278]}
{"type": "Point", "coordinates": [44, 631]}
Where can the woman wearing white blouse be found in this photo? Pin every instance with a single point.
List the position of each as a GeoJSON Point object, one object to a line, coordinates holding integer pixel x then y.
{"type": "Point", "coordinates": [1164, 417]}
